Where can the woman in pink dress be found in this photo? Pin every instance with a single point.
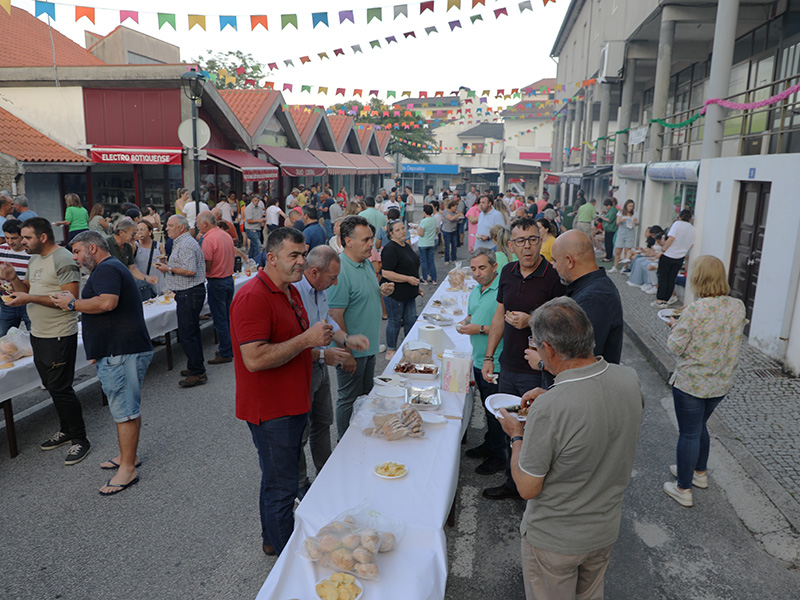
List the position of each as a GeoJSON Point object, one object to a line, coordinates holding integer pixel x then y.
{"type": "Point", "coordinates": [472, 219]}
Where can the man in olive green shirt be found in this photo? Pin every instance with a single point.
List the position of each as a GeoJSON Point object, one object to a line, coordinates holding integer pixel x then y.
{"type": "Point", "coordinates": [120, 246]}
{"type": "Point", "coordinates": [585, 216]}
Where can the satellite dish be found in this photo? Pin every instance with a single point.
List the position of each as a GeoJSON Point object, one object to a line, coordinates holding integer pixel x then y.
{"type": "Point", "coordinates": [185, 133]}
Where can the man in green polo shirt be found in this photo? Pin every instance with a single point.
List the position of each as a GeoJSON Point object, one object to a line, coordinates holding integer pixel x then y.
{"type": "Point", "coordinates": [355, 304]}
{"type": "Point", "coordinates": [480, 310]}
{"type": "Point", "coordinates": [585, 216]}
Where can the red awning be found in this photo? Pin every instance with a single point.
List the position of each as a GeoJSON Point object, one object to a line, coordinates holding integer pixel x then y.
{"type": "Point", "coordinates": [363, 165]}
{"type": "Point", "coordinates": [252, 168]}
{"type": "Point", "coordinates": [135, 156]}
{"type": "Point", "coordinates": [294, 162]}
{"type": "Point", "coordinates": [540, 156]}
{"type": "Point", "coordinates": [384, 166]}
{"type": "Point", "coordinates": [335, 162]}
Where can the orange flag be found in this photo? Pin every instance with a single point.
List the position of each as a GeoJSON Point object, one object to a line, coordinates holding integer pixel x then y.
{"type": "Point", "coordinates": [84, 11]}
{"type": "Point", "coordinates": [256, 20]}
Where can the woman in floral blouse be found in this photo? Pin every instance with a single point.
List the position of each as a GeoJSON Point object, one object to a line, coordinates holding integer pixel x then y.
{"type": "Point", "coordinates": [706, 339]}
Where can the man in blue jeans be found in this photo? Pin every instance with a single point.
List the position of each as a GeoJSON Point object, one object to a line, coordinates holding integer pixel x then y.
{"type": "Point", "coordinates": [13, 253]}
{"type": "Point", "coordinates": [116, 339]}
{"type": "Point", "coordinates": [254, 220]}
{"type": "Point", "coordinates": [218, 252]}
{"type": "Point", "coordinates": [185, 274]}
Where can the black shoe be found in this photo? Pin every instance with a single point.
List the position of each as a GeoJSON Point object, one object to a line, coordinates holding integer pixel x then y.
{"type": "Point", "coordinates": [77, 452]}
{"type": "Point", "coordinates": [56, 441]}
{"type": "Point", "coordinates": [193, 380]}
{"type": "Point", "coordinates": [491, 466]}
{"type": "Point", "coordinates": [268, 550]}
{"type": "Point", "coordinates": [501, 492]}
{"type": "Point", "coordinates": [481, 451]}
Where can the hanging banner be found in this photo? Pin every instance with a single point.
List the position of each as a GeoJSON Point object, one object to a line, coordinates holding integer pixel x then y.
{"type": "Point", "coordinates": [136, 156]}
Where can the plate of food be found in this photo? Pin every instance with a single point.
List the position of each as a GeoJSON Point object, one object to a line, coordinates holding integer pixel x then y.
{"type": "Point", "coordinates": [665, 314]}
{"type": "Point", "coordinates": [508, 401]}
{"type": "Point", "coordinates": [438, 319]}
{"type": "Point", "coordinates": [417, 370]}
{"type": "Point", "coordinates": [339, 585]}
{"type": "Point", "coordinates": [424, 398]}
{"type": "Point", "coordinates": [390, 391]}
{"type": "Point", "coordinates": [390, 470]}
{"type": "Point", "coordinates": [430, 418]}
{"type": "Point", "coordinates": [389, 380]}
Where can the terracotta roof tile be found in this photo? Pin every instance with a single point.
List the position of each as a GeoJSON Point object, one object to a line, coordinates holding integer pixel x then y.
{"type": "Point", "coordinates": [305, 121]}
{"type": "Point", "coordinates": [26, 43]}
{"type": "Point", "coordinates": [23, 142]}
{"type": "Point", "coordinates": [340, 125]}
{"type": "Point", "coordinates": [363, 134]}
{"type": "Point", "coordinates": [250, 106]}
{"type": "Point", "coordinates": [383, 137]}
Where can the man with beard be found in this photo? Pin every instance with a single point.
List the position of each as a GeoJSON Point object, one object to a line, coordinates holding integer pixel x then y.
{"type": "Point", "coordinates": [115, 338]}
{"type": "Point", "coordinates": [524, 286]}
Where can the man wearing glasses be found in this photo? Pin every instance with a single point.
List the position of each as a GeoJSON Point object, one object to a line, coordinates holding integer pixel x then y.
{"type": "Point", "coordinates": [272, 355]}
{"type": "Point", "coordinates": [524, 286]}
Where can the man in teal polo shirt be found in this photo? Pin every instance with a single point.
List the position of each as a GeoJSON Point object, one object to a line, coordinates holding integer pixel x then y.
{"type": "Point", "coordinates": [355, 304]}
{"type": "Point", "coordinates": [481, 307]}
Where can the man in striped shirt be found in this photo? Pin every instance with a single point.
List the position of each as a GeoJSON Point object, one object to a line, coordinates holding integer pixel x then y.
{"type": "Point", "coordinates": [13, 253]}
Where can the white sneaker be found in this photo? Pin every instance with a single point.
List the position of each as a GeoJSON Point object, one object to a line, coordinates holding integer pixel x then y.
{"type": "Point", "coordinates": [630, 283]}
{"type": "Point", "coordinates": [651, 290]}
{"type": "Point", "coordinates": [658, 304]}
{"type": "Point", "coordinates": [698, 480]}
{"type": "Point", "coordinates": [624, 261]}
{"type": "Point", "coordinates": [382, 347]}
{"type": "Point", "coordinates": [673, 300]}
{"type": "Point", "coordinates": [612, 270]}
{"type": "Point", "coordinates": [682, 497]}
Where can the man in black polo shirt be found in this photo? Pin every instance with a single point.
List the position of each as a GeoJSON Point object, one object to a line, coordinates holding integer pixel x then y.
{"type": "Point", "coordinates": [590, 287]}
{"type": "Point", "coordinates": [524, 286]}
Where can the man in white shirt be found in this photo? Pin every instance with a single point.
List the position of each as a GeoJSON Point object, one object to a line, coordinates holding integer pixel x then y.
{"type": "Point", "coordinates": [680, 240]}
{"type": "Point", "coordinates": [293, 198]}
{"type": "Point", "coordinates": [391, 202]}
{"type": "Point", "coordinates": [190, 212]}
{"type": "Point", "coordinates": [488, 217]}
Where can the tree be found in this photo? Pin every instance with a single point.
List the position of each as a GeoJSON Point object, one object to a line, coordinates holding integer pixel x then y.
{"type": "Point", "coordinates": [254, 71]}
{"type": "Point", "coordinates": [419, 136]}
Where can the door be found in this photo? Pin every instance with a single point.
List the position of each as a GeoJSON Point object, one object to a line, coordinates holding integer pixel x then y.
{"type": "Point", "coordinates": [746, 260]}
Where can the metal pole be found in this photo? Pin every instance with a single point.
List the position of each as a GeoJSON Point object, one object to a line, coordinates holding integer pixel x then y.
{"type": "Point", "coordinates": [196, 157]}
{"type": "Point", "coordinates": [720, 77]}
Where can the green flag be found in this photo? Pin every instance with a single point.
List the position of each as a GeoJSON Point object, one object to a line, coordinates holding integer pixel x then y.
{"type": "Point", "coordinates": [287, 20]}
{"type": "Point", "coordinates": [374, 13]}
{"type": "Point", "coordinates": [166, 18]}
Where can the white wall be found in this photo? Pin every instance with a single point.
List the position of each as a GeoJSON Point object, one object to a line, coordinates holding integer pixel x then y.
{"type": "Point", "coordinates": [57, 112]}
{"type": "Point", "coordinates": [776, 306]}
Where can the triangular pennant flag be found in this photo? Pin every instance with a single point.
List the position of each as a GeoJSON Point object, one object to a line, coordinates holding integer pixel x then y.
{"type": "Point", "coordinates": [356, 48]}
{"type": "Point", "coordinates": [225, 21]}
{"type": "Point", "coordinates": [426, 6]}
{"type": "Point", "coordinates": [222, 73]}
{"type": "Point", "coordinates": [373, 92]}
{"type": "Point", "coordinates": [305, 88]}
{"type": "Point", "coordinates": [44, 8]}
{"type": "Point", "coordinates": [485, 93]}
{"type": "Point", "coordinates": [346, 15]}
{"type": "Point", "coordinates": [438, 95]}
{"type": "Point", "coordinates": [80, 11]}
{"type": "Point", "coordinates": [406, 94]}
{"type": "Point", "coordinates": [391, 94]}
{"type": "Point", "coordinates": [199, 20]}
{"type": "Point", "coordinates": [453, 4]}
{"type": "Point", "coordinates": [374, 44]}
{"type": "Point", "coordinates": [406, 35]}
{"type": "Point", "coordinates": [269, 85]}
{"type": "Point", "coordinates": [474, 18]}
{"type": "Point", "coordinates": [546, 1]}
{"type": "Point", "coordinates": [240, 70]}
{"type": "Point", "coordinates": [323, 90]}
{"type": "Point", "coordinates": [400, 9]}
{"type": "Point", "coordinates": [374, 13]}
{"type": "Point", "coordinates": [304, 60]}
{"type": "Point", "coordinates": [471, 94]}
{"type": "Point", "coordinates": [454, 24]}
{"type": "Point", "coordinates": [525, 5]}
{"type": "Point", "coordinates": [288, 63]}
{"type": "Point", "coordinates": [319, 18]}
{"type": "Point", "coordinates": [6, 4]}
{"type": "Point", "coordinates": [250, 82]}
{"type": "Point", "coordinates": [230, 79]}
{"type": "Point", "coordinates": [430, 30]}
{"type": "Point", "coordinates": [391, 39]}
{"type": "Point", "coordinates": [357, 93]}
{"type": "Point", "coordinates": [128, 14]}
{"type": "Point", "coordinates": [423, 94]}
{"type": "Point", "coordinates": [287, 20]}
{"type": "Point", "coordinates": [322, 55]}
{"type": "Point", "coordinates": [500, 11]}
{"type": "Point", "coordinates": [258, 20]}
{"type": "Point", "coordinates": [166, 19]}
{"type": "Point", "coordinates": [338, 52]}
{"type": "Point", "coordinates": [287, 87]}
{"type": "Point", "coordinates": [339, 91]}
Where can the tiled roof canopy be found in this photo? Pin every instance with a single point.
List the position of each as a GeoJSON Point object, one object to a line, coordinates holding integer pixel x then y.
{"type": "Point", "coordinates": [23, 142]}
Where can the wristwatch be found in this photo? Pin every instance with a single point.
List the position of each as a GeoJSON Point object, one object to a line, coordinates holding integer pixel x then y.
{"type": "Point", "coordinates": [482, 329]}
{"type": "Point", "coordinates": [71, 304]}
{"type": "Point", "coordinates": [516, 438]}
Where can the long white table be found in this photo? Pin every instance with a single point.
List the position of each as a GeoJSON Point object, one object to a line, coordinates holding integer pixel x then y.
{"type": "Point", "coordinates": [160, 319]}
{"type": "Point", "coordinates": [417, 567]}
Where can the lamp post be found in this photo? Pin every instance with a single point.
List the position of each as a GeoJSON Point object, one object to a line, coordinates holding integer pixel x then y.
{"type": "Point", "coordinates": [192, 83]}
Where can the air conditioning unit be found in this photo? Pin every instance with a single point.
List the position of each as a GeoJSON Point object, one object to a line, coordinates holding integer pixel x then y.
{"type": "Point", "coordinates": [612, 62]}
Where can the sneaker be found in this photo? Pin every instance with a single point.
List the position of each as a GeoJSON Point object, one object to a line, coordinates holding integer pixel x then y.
{"type": "Point", "coordinates": [651, 289]}
{"type": "Point", "coordinates": [56, 441]}
{"type": "Point", "coordinates": [698, 480]}
{"type": "Point", "coordinates": [612, 270]}
{"type": "Point", "coordinates": [682, 497]}
{"type": "Point", "coordinates": [382, 348]}
{"type": "Point", "coordinates": [673, 300]}
{"type": "Point", "coordinates": [77, 452]}
{"type": "Point", "coordinates": [630, 283]}
{"type": "Point", "coordinates": [626, 271]}
{"type": "Point", "coordinates": [624, 261]}
{"type": "Point", "coordinates": [658, 304]}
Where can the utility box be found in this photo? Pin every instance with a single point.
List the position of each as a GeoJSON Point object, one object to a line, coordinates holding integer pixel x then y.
{"type": "Point", "coordinates": [612, 62]}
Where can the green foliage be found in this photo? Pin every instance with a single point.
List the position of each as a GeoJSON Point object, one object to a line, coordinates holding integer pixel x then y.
{"type": "Point", "coordinates": [231, 61]}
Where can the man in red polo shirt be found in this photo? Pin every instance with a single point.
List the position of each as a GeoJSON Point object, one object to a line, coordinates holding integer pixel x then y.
{"type": "Point", "coordinates": [272, 345]}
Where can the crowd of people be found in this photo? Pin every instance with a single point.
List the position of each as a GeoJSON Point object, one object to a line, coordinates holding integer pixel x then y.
{"type": "Point", "coordinates": [545, 322]}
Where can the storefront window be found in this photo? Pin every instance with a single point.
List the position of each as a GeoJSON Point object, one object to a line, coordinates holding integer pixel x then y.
{"type": "Point", "coordinates": [160, 185]}
{"type": "Point", "coordinates": [113, 184]}
{"type": "Point", "coordinates": [75, 183]}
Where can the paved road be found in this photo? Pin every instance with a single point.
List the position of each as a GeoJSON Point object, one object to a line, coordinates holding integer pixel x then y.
{"type": "Point", "coordinates": [190, 528]}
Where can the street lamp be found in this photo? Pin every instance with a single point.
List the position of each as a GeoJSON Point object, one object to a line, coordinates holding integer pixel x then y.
{"type": "Point", "coordinates": [192, 83]}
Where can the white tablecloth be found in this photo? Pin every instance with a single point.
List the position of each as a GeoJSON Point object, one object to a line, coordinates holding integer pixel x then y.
{"type": "Point", "coordinates": [417, 568]}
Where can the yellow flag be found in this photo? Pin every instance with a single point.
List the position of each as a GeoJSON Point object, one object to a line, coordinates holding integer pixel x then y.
{"type": "Point", "coordinates": [222, 73]}
{"type": "Point", "coordinates": [230, 79]}
{"type": "Point", "coordinates": [197, 20]}
{"type": "Point", "coordinates": [453, 4]}
{"type": "Point", "coordinates": [7, 5]}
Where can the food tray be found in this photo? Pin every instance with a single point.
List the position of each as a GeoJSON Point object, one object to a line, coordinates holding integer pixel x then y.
{"type": "Point", "coordinates": [442, 321]}
{"type": "Point", "coordinates": [414, 374]}
{"type": "Point", "coordinates": [433, 403]}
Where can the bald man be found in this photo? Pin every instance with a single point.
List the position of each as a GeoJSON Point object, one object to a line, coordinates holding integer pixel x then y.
{"type": "Point", "coordinates": [590, 287]}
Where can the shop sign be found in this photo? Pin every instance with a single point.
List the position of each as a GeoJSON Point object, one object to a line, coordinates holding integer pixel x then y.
{"type": "Point", "coordinates": [433, 169]}
{"type": "Point", "coordinates": [303, 172]}
{"type": "Point", "coordinates": [635, 171]}
{"type": "Point", "coordinates": [686, 171]}
{"type": "Point", "coordinates": [136, 156]}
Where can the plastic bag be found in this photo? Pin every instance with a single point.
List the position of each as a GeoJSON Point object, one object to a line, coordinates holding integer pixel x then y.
{"type": "Point", "coordinates": [352, 541]}
{"type": "Point", "coordinates": [14, 345]}
{"type": "Point", "coordinates": [365, 407]}
{"type": "Point", "coordinates": [457, 278]}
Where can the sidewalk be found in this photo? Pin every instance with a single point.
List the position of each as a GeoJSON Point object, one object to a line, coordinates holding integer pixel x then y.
{"type": "Point", "coordinates": [758, 422]}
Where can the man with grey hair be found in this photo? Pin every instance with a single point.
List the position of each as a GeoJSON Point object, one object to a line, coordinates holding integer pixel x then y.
{"type": "Point", "coordinates": [319, 273]}
{"type": "Point", "coordinates": [120, 246]}
{"type": "Point", "coordinates": [110, 303]}
{"type": "Point", "coordinates": [6, 207]}
{"type": "Point", "coordinates": [572, 459]}
{"type": "Point", "coordinates": [186, 275]}
{"type": "Point", "coordinates": [21, 208]}
{"type": "Point", "coordinates": [480, 310]}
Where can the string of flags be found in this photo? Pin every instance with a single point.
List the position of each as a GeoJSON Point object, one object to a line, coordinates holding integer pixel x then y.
{"type": "Point", "coordinates": [287, 20]}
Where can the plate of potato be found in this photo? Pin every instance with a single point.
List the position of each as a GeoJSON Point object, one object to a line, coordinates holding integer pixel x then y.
{"type": "Point", "coordinates": [390, 470]}
{"type": "Point", "coordinates": [339, 586]}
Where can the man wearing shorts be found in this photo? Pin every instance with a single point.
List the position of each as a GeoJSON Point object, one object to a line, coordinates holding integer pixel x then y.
{"type": "Point", "coordinates": [115, 338]}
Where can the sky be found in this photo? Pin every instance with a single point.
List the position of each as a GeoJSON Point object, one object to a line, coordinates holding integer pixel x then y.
{"type": "Point", "coordinates": [496, 53]}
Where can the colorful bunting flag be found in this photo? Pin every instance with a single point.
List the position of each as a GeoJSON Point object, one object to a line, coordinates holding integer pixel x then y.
{"type": "Point", "coordinates": [225, 21]}
{"type": "Point", "coordinates": [346, 15]}
{"type": "Point", "coordinates": [129, 14]}
{"type": "Point", "coordinates": [391, 94]}
{"type": "Point", "coordinates": [546, 1]}
{"type": "Point", "coordinates": [304, 60]}
{"type": "Point", "coordinates": [525, 6]}
{"type": "Point", "coordinates": [406, 94]}
{"type": "Point", "coordinates": [250, 82]}
{"type": "Point", "coordinates": [338, 52]}
{"type": "Point", "coordinates": [287, 87]}
{"type": "Point", "coordinates": [198, 20]}
{"type": "Point", "coordinates": [426, 6]}
{"type": "Point", "coordinates": [339, 91]}
{"type": "Point", "coordinates": [474, 18]}
{"type": "Point", "coordinates": [287, 20]}
{"type": "Point", "coordinates": [240, 70]}
{"type": "Point", "coordinates": [374, 13]}
{"type": "Point", "coordinates": [258, 20]}
{"type": "Point", "coordinates": [409, 34]}
{"type": "Point", "coordinates": [391, 39]}
{"type": "Point", "coordinates": [357, 93]}
{"type": "Point", "coordinates": [453, 4]}
{"type": "Point", "coordinates": [323, 90]}
{"type": "Point", "coordinates": [373, 92]}
{"type": "Point", "coordinates": [269, 85]}
{"type": "Point", "coordinates": [230, 79]}
{"type": "Point", "coordinates": [374, 44]}
{"type": "Point", "coordinates": [322, 55]}
{"type": "Point", "coordinates": [44, 8]}
{"type": "Point", "coordinates": [288, 63]}
{"type": "Point", "coordinates": [6, 4]}
{"type": "Point", "coordinates": [305, 88]}
{"type": "Point", "coordinates": [454, 24]}
{"type": "Point", "coordinates": [400, 9]}
{"type": "Point", "coordinates": [356, 49]}
{"type": "Point", "coordinates": [500, 11]}
{"type": "Point", "coordinates": [319, 18]}
{"type": "Point", "coordinates": [80, 11]}
{"type": "Point", "coordinates": [430, 30]}
{"type": "Point", "coordinates": [476, 2]}
{"type": "Point", "coordinates": [166, 19]}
